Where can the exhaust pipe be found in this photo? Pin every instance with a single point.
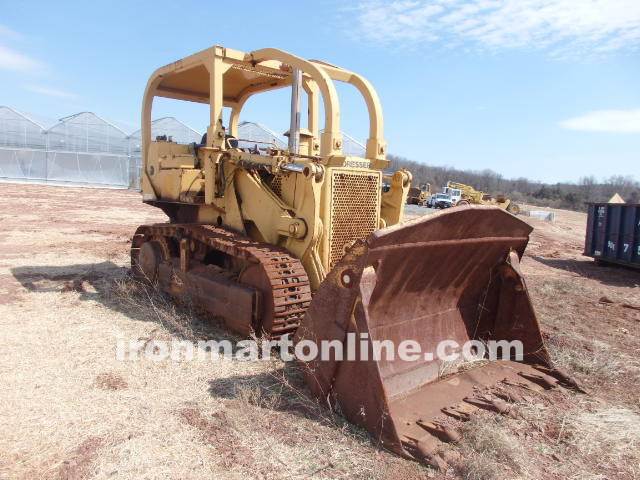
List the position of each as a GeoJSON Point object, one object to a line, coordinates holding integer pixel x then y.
{"type": "Point", "coordinates": [294, 127]}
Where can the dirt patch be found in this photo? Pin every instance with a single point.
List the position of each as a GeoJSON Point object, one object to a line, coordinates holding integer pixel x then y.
{"type": "Point", "coordinates": [79, 463]}
{"type": "Point", "coordinates": [110, 381]}
{"type": "Point", "coordinates": [217, 431]}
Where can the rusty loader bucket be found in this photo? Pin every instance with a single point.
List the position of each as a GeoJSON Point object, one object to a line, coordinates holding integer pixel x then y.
{"type": "Point", "coordinates": [453, 275]}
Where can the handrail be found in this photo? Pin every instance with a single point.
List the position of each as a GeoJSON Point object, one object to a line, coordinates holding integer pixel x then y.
{"type": "Point", "coordinates": [331, 143]}
{"type": "Point", "coordinates": [376, 145]}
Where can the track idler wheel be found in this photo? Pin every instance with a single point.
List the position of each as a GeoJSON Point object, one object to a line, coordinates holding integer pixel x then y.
{"type": "Point", "coordinates": [148, 260]}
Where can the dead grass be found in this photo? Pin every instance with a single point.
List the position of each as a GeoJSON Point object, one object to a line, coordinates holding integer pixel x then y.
{"type": "Point", "coordinates": [71, 410]}
{"type": "Point", "coordinates": [560, 288]}
{"type": "Point", "coordinates": [595, 361]}
{"type": "Point", "coordinates": [490, 451]}
{"type": "Point", "coordinates": [167, 419]}
{"type": "Point", "coordinates": [153, 305]}
{"type": "Point", "coordinates": [269, 425]}
{"type": "Point", "coordinates": [273, 414]}
{"type": "Point", "coordinates": [587, 441]}
{"type": "Point", "coordinates": [591, 334]}
{"type": "Point", "coordinates": [582, 440]}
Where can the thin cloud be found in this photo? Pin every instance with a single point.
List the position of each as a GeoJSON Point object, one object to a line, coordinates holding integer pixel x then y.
{"type": "Point", "coordinates": [560, 26]}
{"type": "Point", "coordinates": [18, 62]}
{"type": "Point", "coordinates": [617, 121]}
{"type": "Point", "coordinates": [52, 92]}
{"type": "Point", "coordinates": [8, 33]}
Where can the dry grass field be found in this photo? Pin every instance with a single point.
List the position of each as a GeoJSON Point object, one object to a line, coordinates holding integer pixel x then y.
{"type": "Point", "coordinates": [70, 410]}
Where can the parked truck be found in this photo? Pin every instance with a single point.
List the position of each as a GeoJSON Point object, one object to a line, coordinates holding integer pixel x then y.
{"type": "Point", "coordinates": [440, 200]}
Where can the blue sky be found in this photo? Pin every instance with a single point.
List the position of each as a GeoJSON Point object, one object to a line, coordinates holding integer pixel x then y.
{"type": "Point", "coordinates": [545, 89]}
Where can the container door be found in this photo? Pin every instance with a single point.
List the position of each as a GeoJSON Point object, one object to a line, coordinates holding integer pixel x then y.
{"type": "Point", "coordinates": [589, 237]}
{"type": "Point", "coordinates": [636, 240]}
{"type": "Point", "coordinates": [627, 232]}
{"type": "Point", "coordinates": [600, 231]}
{"type": "Point", "coordinates": [613, 232]}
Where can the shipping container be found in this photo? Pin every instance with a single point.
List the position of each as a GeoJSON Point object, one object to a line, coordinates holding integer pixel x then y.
{"type": "Point", "coordinates": [613, 233]}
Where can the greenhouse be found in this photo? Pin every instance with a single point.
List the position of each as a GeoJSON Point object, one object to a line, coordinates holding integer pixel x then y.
{"type": "Point", "coordinates": [86, 150]}
{"type": "Point", "coordinates": [22, 146]}
{"type": "Point", "coordinates": [82, 149]}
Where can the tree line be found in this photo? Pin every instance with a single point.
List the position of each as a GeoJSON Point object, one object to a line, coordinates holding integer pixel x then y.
{"type": "Point", "coordinates": [570, 196]}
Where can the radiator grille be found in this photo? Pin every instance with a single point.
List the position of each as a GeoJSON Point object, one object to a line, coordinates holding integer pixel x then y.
{"type": "Point", "coordinates": [355, 210]}
{"type": "Point", "coordinates": [276, 185]}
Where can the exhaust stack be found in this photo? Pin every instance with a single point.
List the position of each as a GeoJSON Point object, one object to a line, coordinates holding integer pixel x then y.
{"type": "Point", "coordinates": [294, 128]}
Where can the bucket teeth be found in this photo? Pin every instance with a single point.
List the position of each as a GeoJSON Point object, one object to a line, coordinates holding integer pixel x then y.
{"type": "Point", "coordinates": [433, 453]}
{"type": "Point", "coordinates": [489, 403]}
{"type": "Point", "coordinates": [457, 413]}
{"type": "Point", "coordinates": [511, 383]}
{"type": "Point", "coordinates": [564, 378]}
{"type": "Point", "coordinates": [441, 432]}
{"type": "Point", "coordinates": [426, 452]}
{"type": "Point", "coordinates": [510, 396]}
{"type": "Point", "coordinates": [541, 380]}
{"type": "Point", "coordinates": [500, 405]}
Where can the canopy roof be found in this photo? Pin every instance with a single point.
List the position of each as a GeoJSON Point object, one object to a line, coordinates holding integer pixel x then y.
{"type": "Point", "coordinates": [188, 79]}
{"type": "Point", "coordinates": [223, 77]}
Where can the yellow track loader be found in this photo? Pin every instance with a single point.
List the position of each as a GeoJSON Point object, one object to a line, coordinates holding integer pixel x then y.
{"type": "Point", "coordinates": [419, 196]}
{"type": "Point", "coordinates": [469, 196]}
{"type": "Point", "coordinates": [304, 241]}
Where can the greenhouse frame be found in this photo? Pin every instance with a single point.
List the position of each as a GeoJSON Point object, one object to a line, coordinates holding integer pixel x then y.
{"type": "Point", "coordinates": [84, 149]}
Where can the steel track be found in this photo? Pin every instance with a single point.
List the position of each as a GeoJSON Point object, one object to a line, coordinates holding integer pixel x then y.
{"type": "Point", "coordinates": [290, 289]}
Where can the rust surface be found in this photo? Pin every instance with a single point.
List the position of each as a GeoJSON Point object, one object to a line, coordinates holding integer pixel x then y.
{"type": "Point", "coordinates": [449, 276]}
{"type": "Point", "coordinates": [253, 286]}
